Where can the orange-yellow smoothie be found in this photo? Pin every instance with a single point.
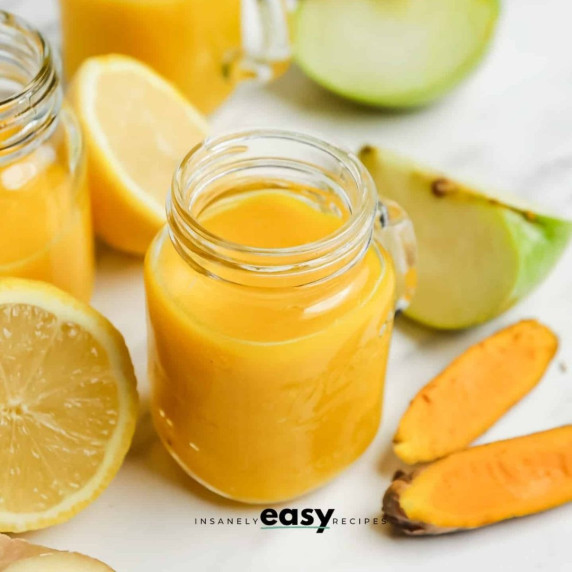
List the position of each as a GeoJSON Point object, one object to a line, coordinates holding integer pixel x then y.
{"type": "Point", "coordinates": [190, 42]}
{"type": "Point", "coordinates": [45, 224]}
{"type": "Point", "coordinates": [263, 394]}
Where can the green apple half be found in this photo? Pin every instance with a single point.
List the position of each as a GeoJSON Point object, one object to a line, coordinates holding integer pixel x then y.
{"type": "Point", "coordinates": [478, 253]}
{"type": "Point", "coordinates": [392, 53]}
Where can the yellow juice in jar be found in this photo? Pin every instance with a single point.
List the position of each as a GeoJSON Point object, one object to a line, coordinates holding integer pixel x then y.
{"type": "Point", "coordinates": [263, 395]}
{"type": "Point", "coordinates": [190, 42]}
{"type": "Point", "coordinates": [45, 217]}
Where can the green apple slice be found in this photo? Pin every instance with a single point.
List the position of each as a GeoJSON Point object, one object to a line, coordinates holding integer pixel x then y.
{"type": "Point", "coordinates": [478, 253]}
{"type": "Point", "coordinates": [392, 53]}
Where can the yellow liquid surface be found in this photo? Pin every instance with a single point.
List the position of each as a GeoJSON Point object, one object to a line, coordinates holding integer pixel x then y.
{"type": "Point", "coordinates": [271, 219]}
{"type": "Point", "coordinates": [45, 219]}
{"type": "Point", "coordinates": [187, 41]}
{"type": "Point", "coordinates": [264, 394]}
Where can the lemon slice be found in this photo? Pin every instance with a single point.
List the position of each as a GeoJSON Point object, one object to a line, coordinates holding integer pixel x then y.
{"type": "Point", "coordinates": [137, 128]}
{"type": "Point", "coordinates": [68, 404]}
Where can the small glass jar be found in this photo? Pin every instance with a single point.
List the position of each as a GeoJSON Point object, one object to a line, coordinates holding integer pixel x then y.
{"type": "Point", "coordinates": [267, 365]}
{"type": "Point", "coordinates": [44, 205]}
{"type": "Point", "coordinates": [198, 45]}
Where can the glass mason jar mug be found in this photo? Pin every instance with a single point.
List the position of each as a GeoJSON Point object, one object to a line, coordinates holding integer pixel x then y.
{"type": "Point", "coordinates": [45, 224]}
{"type": "Point", "coordinates": [197, 44]}
{"type": "Point", "coordinates": [271, 294]}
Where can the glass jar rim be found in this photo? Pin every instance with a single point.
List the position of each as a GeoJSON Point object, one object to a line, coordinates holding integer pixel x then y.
{"type": "Point", "coordinates": [29, 113]}
{"type": "Point", "coordinates": [190, 237]}
{"type": "Point", "coordinates": [44, 55]}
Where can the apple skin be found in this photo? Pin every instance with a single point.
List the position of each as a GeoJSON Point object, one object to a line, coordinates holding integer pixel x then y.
{"type": "Point", "coordinates": [479, 253]}
{"type": "Point", "coordinates": [408, 99]}
{"type": "Point", "coordinates": [540, 241]}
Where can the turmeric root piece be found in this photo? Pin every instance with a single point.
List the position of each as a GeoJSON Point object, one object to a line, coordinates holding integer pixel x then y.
{"type": "Point", "coordinates": [483, 485]}
{"type": "Point", "coordinates": [475, 390]}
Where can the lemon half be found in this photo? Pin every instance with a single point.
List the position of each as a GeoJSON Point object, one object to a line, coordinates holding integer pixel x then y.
{"type": "Point", "coordinates": [137, 128]}
{"type": "Point", "coordinates": [68, 404]}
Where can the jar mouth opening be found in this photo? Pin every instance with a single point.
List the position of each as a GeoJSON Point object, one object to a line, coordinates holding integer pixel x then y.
{"type": "Point", "coordinates": [271, 159]}
{"type": "Point", "coordinates": [34, 51]}
{"type": "Point", "coordinates": [30, 91]}
{"type": "Point", "coordinates": [188, 184]}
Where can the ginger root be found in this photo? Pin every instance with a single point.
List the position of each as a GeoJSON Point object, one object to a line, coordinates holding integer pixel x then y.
{"type": "Point", "coordinates": [475, 390]}
{"type": "Point", "coordinates": [13, 549]}
{"type": "Point", "coordinates": [17, 555]}
{"type": "Point", "coordinates": [484, 484]}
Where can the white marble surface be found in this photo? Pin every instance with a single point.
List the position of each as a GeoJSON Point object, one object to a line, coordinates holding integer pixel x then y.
{"type": "Point", "coordinates": [509, 126]}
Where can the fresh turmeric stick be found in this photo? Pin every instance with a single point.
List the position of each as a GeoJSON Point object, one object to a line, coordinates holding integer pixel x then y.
{"type": "Point", "coordinates": [475, 390]}
{"type": "Point", "coordinates": [483, 485]}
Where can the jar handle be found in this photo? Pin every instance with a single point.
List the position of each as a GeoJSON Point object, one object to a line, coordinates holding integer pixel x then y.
{"type": "Point", "coordinates": [394, 231]}
{"type": "Point", "coordinates": [266, 49]}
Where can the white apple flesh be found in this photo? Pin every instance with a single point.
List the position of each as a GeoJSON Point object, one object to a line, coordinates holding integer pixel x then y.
{"type": "Point", "coordinates": [478, 254]}
{"type": "Point", "coordinates": [392, 53]}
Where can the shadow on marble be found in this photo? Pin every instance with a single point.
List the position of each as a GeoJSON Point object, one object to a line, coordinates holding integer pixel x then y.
{"type": "Point", "coordinates": [298, 89]}
{"type": "Point", "coordinates": [388, 462]}
{"type": "Point", "coordinates": [147, 448]}
{"type": "Point", "coordinates": [387, 530]}
{"type": "Point", "coordinates": [145, 434]}
{"type": "Point", "coordinates": [421, 340]}
{"type": "Point", "coordinates": [111, 259]}
{"type": "Point", "coordinates": [418, 332]}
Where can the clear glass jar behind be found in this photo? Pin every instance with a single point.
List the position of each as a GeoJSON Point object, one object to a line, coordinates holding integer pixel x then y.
{"type": "Point", "coordinates": [267, 361]}
{"type": "Point", "coordinates": [44, 204]}
{"type": "Point", "coordinates": [198, 45]}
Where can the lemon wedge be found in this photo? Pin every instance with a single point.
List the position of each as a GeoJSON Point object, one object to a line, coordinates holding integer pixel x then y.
{"type": "Point", "coordinates": [137, 128]}
{"type": "Point", "coordinates": [68, 404]}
